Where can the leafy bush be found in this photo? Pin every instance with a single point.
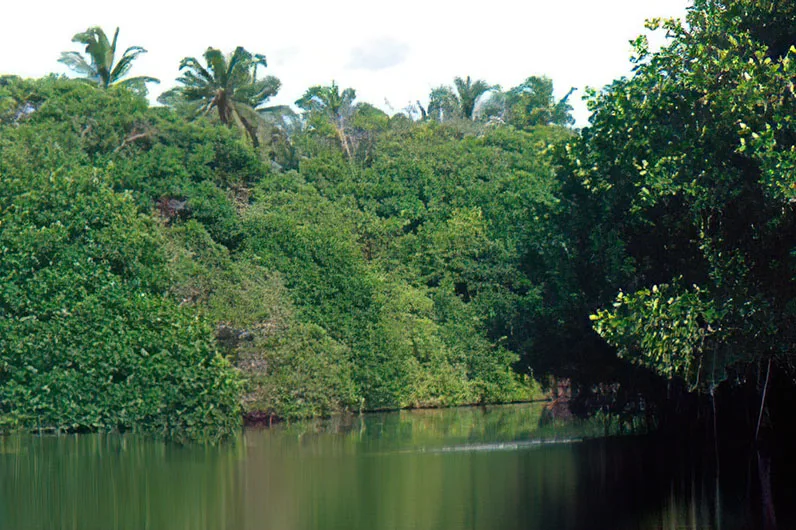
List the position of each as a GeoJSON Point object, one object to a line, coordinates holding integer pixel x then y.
{"type": "Point", "coordinates": [87, 339]}
{"type": "Point", "coordinates": [299, 372]}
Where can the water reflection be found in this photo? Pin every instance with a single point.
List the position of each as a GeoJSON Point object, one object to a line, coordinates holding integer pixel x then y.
{"type": "Point", "coordinates": [454, 469]}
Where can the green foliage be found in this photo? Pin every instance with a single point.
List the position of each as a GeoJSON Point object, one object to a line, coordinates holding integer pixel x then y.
{"type": "Point", "coordinates": [671, 330]}
{"type": "Point", "coordinates": [440, 215]}
{"type": "Point", "coordinates": [310, 241]}
{"type": "Point", "coordinates": [104, 70]}
{"type": "Point", "coordinates": [427, 374]}
{"type": "Point", "coordinates": [445, 104]}
{"type": "Point", "coordinates": [328, 100]}
{"type": "Point", "coordinates": [373, 287]}
{"type": "Point", "coordinates": [69, 121]}
{"type": "Point", "coordinates": [228, 85]}
{"type": "Point", "coordinates": [154, 154]}
{"type": "Point", "coordinates": [488, 366]}
{"type": "Point", "coordinates": [368, 124]}
{"type": "Point", "coordinates": [379, 262]}
{"type": "Point", "coordinates": [469, 208]}
{"type": "Point", "coordinates": [290, 369]}
{"type": "Point", "coordinates": [528, 105]}
{"type": "Point", "coordinates": [329, 112]}
{"type": "Point", "coordinates": [87, 341]}
{"type": "Point", "coordinates": [299, 372]}
{"type": "Point", "coordinates": [687, 169]}
{"type": "Point", "coordinates": [400, 264]}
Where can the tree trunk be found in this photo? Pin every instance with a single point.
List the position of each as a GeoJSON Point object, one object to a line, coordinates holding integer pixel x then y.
{"type": "Point", "coordinates": [344, 141]}
{"type": "Point", "coordinates": [251, 130]}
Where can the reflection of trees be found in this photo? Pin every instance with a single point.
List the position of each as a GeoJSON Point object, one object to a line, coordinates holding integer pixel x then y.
{"type": "Point", "coordinates": [96, 481]}
{"type": "Point", "coordinates": [382, 471]}
{"type": "Point", "coordinates": [367, 472]}
{"type": "Point", "coordinates": [648, 483]}
{"type": "Point", "coordinates": [383, 483]}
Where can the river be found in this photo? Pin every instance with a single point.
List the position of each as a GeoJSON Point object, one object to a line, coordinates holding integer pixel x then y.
{"type": "Point", "coordinates": [489, 468]}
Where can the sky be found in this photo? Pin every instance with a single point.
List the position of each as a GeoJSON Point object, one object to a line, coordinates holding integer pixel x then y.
{"type": "Point", "coordinates": [392, 52]}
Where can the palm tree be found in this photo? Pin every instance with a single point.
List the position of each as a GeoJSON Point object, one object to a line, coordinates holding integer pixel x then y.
{"type": "Point", "coordinates": [103, 70]}
{"type": "Point", "coordinates": [530, 104]}
{"type": "Point", "coordinates": [533, 103]}
{"type": "Point", "coordinates": [468, 94]}
{"type": "Point", "coordinates": [443, 104]}
{"type": "Point", "coordinates": [336, 106]}
{"type": "Point", "coordinates": [228, 84]}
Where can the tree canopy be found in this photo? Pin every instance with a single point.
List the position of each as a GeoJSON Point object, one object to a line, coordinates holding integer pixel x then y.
{"type": "Point", "coordinates": [335, 108]}
{"type": "Point", "coordinates": [690, 164]}
{"type": "Point", "coordinates": [529, 104]}
{"type": "Point", "coordinates": [227, 85]}
{"type": "Point", "coordinates": [446, 103]}
{"type": "Point", "coordinates": [357, 260]}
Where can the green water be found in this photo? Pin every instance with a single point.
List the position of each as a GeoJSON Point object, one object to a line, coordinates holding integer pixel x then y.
{"type": "Point", "coordinates": [471, 468]}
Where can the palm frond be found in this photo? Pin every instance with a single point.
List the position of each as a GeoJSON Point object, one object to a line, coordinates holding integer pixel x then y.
{"type": "Point", "coordinates": [249, 121]}
{"type": "Point", "coordinates": [136, 84]}
{"type": "Point", "coordinates": [77, 63]}
{"type": "Point", "coordinates": [198, 93]}
{"type": "Point", "coordinates": [480, 88]}
{"type": "Point", "coordinates": [312, 99]}
{"type": "Point", "coordinates": [97, 45]}
{"type": "Point", "coordinates": [207, 106]}
{"type": "Point", "coordinates": [195, 67]}
{"type": "Point", "coordinates": [258, 92]}
{"type": "Point", "coordinates": [565, 99]}
{"type": "Point", "coordinates": [348, 96]}
{"type": "Point", "coordinates": [469, 92]}
{"type": "Point", "coordinates": [112, 47]}
{"type": "Point", "coordinates": [125, 63]}
{"type": "Point", "coordinates": [238, 62]}
{"type": "Point", "coordinates": [102, 69]}
{"type": "Point", "coordinates": [136, 80]}
{"type": "Point", "coordinates": [171, 97]}
{"type": "Point", "coordinates": [258, 60]}
{"type": "Point", "coordinates": [196, 79]}
{"type": "Point", "coordinates": [228, 84]}
{"type": "Point", "coordinates": [218, 66]}
{"type": "Point", "coordinates": [90, 36]}
{"type": "Point", "coordinates": [276, 111]}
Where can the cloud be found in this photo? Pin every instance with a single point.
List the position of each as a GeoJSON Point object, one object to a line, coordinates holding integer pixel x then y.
{"type": "Point", "coordinates": [378, 54]}
{"type": "Point", "coordinates": [284, 55]}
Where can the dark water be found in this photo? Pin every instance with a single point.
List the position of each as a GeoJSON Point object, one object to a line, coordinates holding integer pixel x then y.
{"type": "Point", "coordinates": [490, 469]}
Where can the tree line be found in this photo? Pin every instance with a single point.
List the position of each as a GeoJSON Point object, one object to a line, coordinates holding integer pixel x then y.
{"type": "Point", "coordinates": [345, 259]}
{"type": "Point", "coordinates": [228, 87]}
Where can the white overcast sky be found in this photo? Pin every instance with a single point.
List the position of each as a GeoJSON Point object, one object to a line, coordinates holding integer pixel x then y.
{"type": "Point", "coordinates": [392, 52]}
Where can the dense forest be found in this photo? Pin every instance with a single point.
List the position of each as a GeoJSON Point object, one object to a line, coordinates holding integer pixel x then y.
{"type": "Point", "coordinates": [173, 268]}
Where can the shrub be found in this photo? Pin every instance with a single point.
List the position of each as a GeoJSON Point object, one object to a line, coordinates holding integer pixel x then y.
{"type": "Point", "coordinates": [87, 339]}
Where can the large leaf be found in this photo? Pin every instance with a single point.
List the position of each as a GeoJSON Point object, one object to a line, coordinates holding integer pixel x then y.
{"type": "Point", "coordinates": [218, 66]}
{"type": "Point", "coordinates": [195, 71]}
{"type": "Point", "coordinates": [258, 92]}
{"type": "Point", "coordinates": [125, 63]}
{"type": "Point", "coordinates": [77, 63]}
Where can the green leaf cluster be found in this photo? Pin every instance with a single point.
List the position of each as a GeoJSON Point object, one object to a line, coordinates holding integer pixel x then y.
{"type": "Point", "coordinates": [687, 170]}
{"type": "Point", "coordinates": [88, 339]}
